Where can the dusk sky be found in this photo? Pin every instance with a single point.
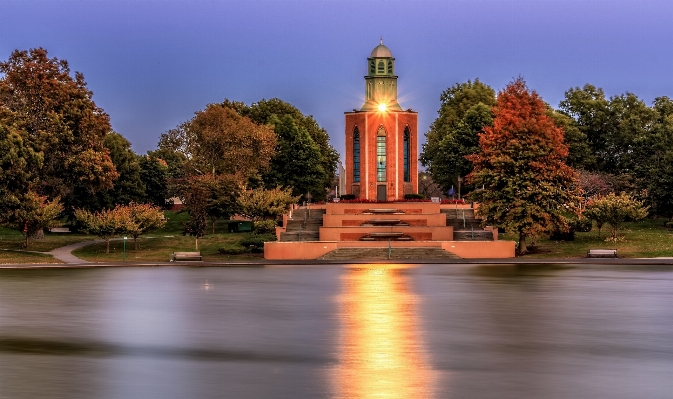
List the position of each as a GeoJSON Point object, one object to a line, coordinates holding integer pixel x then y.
{"type": "Point", "coordinates": [152, 64]}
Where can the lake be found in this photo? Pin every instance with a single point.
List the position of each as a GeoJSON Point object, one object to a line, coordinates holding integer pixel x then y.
{"type": "Point", "coordinates": [338, 331]}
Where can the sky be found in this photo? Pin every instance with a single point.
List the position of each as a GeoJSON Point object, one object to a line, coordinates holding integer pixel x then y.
{"type": "Point", "coordinates": [152, 64]}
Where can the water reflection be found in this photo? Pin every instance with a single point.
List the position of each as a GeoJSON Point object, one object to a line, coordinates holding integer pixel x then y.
{"type": "Point", "coordinates": [381, 351]}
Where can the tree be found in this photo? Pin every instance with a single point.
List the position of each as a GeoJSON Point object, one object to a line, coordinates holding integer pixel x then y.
{"type": "Point", "coordinates": [654, 152]}
{"type": "Point", "coordinates": [195, 195]}
{"type": "Point", "coordinates": [107, 223]}
{"type": "Point", "coordinates": [261, 204]}
{"type": "Point", "coordinates": [154, 174]}
{"type": "Point", "coordinates": [266, 112]}
{"type": "Point", "coordinates": [580, 155]}
{"type": "Point", "coordinates": [145, 217]}
{"type": "Point", "coordinates": [18, 163]}
{"type": "Point", "coordinates": [33, 215]}
{"type": "Point", "coordinates": [220, 141]}
{"type": "Point", "coordinates": [465, 110]}
{"type": "Point", "coordinates": [56, 117]}
{"type": "Point", "coordinates": [527, 187]}
{"type": "Point", "coordinates": [615, 210]}
{"type": "Point", "coordinates": [297, 160]}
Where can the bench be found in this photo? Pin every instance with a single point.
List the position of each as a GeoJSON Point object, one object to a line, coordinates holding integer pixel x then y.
{"type": "Point", "coordinates": [186, 256]}
{"type": "Point", "coordinates": [602, 253]}
{"type": "Point", "coordinates": [59, 230]}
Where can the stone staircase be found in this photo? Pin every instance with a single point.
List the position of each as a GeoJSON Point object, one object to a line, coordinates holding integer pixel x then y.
{"type": "Point", "coordinates": [466, 227]}
{"type": "Point", "coordinates": [399, 253]}
{"type": "Point", "coordinates": [304, 225]}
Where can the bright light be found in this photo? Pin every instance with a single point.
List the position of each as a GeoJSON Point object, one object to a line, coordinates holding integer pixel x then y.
{"type": "Point", "coordinates": [382, 107]}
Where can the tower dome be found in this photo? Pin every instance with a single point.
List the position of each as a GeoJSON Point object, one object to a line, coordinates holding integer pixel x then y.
{"type": "Point", "coordinates": [381, 51]}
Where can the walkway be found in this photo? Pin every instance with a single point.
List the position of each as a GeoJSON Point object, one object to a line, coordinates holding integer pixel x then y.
{"type": "Point", "coordinates": [64, 254]}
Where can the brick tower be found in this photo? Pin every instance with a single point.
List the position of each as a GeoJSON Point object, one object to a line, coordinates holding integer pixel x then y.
{"type": "Point", "coordinates": [381, 138]}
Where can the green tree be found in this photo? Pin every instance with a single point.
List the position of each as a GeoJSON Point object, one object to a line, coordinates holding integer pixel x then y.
{"type": "Point", "coordinates": [34, 214]}
{"type": "Point", "coordinates": [297, 160]}
{"type": "Point", "coordinates": [57, 118]}
{"type": "Point", "coordinates": [654, 154]}
{"type": "Point", "coordinates": [527, 187]}
{"type": "Point", "coordinates": [266, 112]}
{"type": "Point", "coordinates": [18, 166]}
{"type": "Point", "coordinates": [615, 210]}
{"type": "Point", "coordinates": [261, 204]}
{"type": "Point", "coordinates": [154, 174]}
{"type": "Point", "coordinates": [465, 110]}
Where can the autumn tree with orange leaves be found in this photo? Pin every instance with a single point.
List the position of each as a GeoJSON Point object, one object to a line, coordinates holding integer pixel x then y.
{"type": "Point", "coordinates": [527, 186]}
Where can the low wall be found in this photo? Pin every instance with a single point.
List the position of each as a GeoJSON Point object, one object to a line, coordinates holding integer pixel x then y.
{"type": "Point", "coordinates": [443, 233]}
{"type": "Point", "coordinates": [340, 208]}
{"type": "Point", "coordinates": [297, 250]}
{"type": "Point", "coordinates": [480, 249]}
{"type": "Point", "coordinates": [437, 220]}
{"type": "Point", "coordinates": [316, 249]}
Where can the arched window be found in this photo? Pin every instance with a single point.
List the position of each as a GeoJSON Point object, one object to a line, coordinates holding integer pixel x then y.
{"type": "Point", "coordinates": [372, 68]}
{"type": "Point", "coordinates": [407, 172]}
{"type": "Point", "coordinates": [356, 155]}
{"type": "Point", "coordinates": [381, 154]}
{"type": "Point", "coordinates": [390, 67]}
{"type": "Point", "coordinates": [382, 67]}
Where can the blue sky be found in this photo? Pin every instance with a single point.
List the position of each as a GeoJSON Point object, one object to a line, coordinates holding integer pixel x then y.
{"type": "Point", "coordinates": [152, 64]}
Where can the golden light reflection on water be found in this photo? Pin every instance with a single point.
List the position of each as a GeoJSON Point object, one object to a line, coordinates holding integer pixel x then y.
{"type": "Point", "coordinates": [381, 353]}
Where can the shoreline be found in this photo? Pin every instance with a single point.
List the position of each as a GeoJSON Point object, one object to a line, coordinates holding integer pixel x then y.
{"type": "Point", "coordinates": [577, 262]}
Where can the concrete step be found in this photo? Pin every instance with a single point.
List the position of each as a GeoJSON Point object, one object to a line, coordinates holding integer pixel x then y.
{"type": "Point", "coordinates": [414, 253]}
{"type": "Point", "coordinates": [458, 213]}
{"type": "Point", "coordinates": [294, 236]}
{"type": "Point", "coordinates": [469, 235]}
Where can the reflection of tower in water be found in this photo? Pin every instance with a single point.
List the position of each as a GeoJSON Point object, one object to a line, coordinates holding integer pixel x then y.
{"type": "Point", "coordinates": [381, 353]}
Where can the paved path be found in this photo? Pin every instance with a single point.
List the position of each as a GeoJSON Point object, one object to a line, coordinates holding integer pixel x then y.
{"type": "Point", "coordinates": [64, 254]}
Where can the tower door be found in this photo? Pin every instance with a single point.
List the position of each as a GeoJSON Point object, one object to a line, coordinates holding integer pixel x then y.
{"type": "Point", "coordinates": [381, 194]}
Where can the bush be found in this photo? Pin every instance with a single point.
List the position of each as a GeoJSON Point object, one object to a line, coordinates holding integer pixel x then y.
{"type": "Point", "coordinates": [256, 243]}
{"type": "Point", "coordinates": [563, 235]}
{"type": "Point", "coordinates": [347, 197]}
{"type": "Point", "coordinates": [583, 225]}
{"type": "Point", "coordinates": [265, 227]}
{"type": "Point", "coordinates": [669, 225]}
{"type": "Point", "coordinates": [232, 250]}
{"type": "Point", "coordinates": [414, 196]}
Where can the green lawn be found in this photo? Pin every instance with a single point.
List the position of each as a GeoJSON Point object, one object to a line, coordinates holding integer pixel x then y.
{"type": "Point", "coordinates": [643, 239]}
{"type": "Point", "coordinates": [646, 238]}
{"type": "Point", "coordinates": [7, 257]}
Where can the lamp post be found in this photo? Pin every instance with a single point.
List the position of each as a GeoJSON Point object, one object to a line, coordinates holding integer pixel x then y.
{"type": "Point", "coordinates": [124, 252]}
{"type": "Point", "coordinates": [460, 180]}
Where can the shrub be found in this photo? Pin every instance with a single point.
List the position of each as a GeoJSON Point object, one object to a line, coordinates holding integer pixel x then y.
{"type": "Point", "coordinates": [669, 225]}
{"type": "Point", "coordinates": [583, 225]}
{"type": "Point", "coordinates": [232, 250]}
{"type": "Point", "coordinates": [414, 196]}
{"type": "Point", "coordinates": [265, 227]}
{"type": "Point", "coordinates": [256, 243]}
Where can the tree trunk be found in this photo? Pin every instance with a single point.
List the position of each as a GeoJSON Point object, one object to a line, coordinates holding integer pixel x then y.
{"type": "Point", "coordinates": [107, 243]}
{"type": "Point", "coordinates": [135, 243]}
{"type": "Point", "coordinates": [197, 243]}
{"type": "Point", "coordinates": [27, 242]}
{"type": "Point", "coordinates": [214, 225]}
{"type": "Point", "coordinates": [38, 235]}
{"type": "Point", "coordinates": [522, 244]}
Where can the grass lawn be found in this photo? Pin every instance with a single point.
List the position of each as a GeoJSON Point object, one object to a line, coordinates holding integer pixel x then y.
{"type": "Point", "coordinates": [13, 240]}
{"type": "Point", "coordinates": [160, 244]}
{"type": "Point", "coordinates": [646, 239]}
{"type": "Point", "coordinates": [7, 257]}
{"type": "Point", "coordinates": [643, 239]}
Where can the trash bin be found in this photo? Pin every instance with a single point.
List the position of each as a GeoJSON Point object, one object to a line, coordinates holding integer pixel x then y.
{"type": "Point", "coordinates": [239, 227]}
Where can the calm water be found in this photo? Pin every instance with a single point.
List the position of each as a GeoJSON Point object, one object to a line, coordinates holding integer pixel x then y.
{"type": "Point", "coordinates": [379, 331]}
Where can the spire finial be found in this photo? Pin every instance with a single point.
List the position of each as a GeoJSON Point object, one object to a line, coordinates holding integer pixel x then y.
{"type": "Point", "coordinates": [381, 40]}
